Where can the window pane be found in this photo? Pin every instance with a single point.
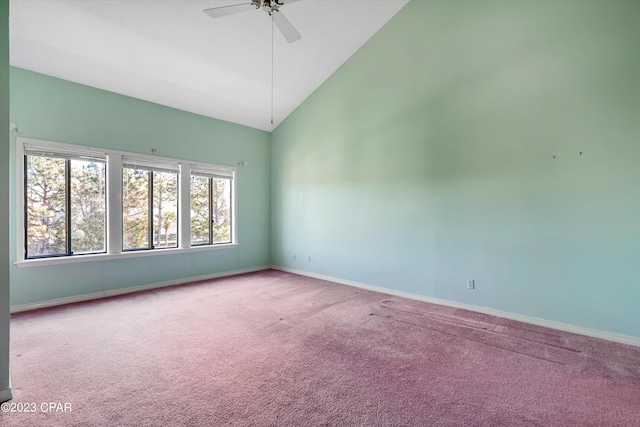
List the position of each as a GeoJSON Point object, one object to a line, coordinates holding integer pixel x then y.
{"type": "Point", "coordinates": [46, 206]}
{"type": "Point", "coordinates": [135, 209]}
{"type": "Point", "coordinates": [221, 210]}
{"type": "Point", "coordinates": [200, 210]}
{"type": "Point", "coordinates": [88, 205]}
{"type": "Point", "coordinates": [165, 210]}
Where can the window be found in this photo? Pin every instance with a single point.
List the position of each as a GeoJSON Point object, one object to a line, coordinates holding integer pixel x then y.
{"type": "Point", "coordinates": [65, 204]}
{"type": "Point", "coordinates": [85, 201]}
{"type": "Point", "coordinates": [211, 220]}
{"type": "Point", "coordinates": [150, 205]}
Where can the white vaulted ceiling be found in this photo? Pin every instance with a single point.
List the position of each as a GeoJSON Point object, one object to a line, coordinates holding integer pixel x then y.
{"type": "Point", "coordinates": [171, 53]}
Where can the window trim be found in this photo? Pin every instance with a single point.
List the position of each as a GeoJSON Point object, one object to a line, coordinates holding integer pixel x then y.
{"type": "Point", "coordinates": [114, 212]}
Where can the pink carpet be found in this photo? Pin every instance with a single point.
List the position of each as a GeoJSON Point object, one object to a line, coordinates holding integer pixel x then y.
{"type": "Point", "coordinates": [277, 349]}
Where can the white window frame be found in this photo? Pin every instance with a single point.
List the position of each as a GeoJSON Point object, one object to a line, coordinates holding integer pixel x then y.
{"type": "Point", "coordinates": [215, 172]}
{"type": "Point", "coordinates": [114, 205]}
{"type": "Point", "coordinates": [155, 166]}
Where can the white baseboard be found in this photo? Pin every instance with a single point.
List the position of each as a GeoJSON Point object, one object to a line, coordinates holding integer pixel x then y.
{"type": "Point", "coordinates": [122, 291]}
{"type": "Point", "coordinates": [610, 336]}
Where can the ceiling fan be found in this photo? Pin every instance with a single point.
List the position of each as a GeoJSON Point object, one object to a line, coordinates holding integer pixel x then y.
{"type": "Point", "coordinates": [272, 7]}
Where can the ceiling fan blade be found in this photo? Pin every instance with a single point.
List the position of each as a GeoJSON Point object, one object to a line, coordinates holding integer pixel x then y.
{"type": "Point", "coordinates": [217, 12]}
{"type": "Point", "coordinates": [285, 27]}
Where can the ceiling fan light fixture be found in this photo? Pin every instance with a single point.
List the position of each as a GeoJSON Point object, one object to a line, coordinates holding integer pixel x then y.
{"type": "Point", "coordinates": [270, 5]}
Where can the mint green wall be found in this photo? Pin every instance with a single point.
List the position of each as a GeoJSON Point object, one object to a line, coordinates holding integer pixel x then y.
{"type": "Point", "coordinates": [4, 201]}
{"type": "Point", "coordinates": [427, 160]}
{"type": "Point", "coordinates": [57, 110]}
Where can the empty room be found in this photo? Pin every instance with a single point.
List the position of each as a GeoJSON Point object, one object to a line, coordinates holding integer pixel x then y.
{"type": "Point", "coordinates": [319, 213]}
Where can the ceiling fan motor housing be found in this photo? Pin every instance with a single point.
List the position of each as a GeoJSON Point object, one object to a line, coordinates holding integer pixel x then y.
{"type": "Point", "coordinates": [270, 5]}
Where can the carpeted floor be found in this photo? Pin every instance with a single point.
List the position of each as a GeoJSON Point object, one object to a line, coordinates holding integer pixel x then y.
{"type": "Point", "coordinates": [277, 349]}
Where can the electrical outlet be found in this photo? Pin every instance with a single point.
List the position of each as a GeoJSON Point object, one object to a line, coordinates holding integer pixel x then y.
{"type": "Point", "coordinates": [309, 259]}
{"type": "Point", "coordinates": [471, 284]}
{"type": "Point", "coordinates": [193, 262]}
{"type": "Point", "coordinates": [294, 257]}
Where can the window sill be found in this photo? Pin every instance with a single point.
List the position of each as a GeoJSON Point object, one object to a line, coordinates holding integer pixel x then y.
{"type": "Point", "coordinates": [123, 255]}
